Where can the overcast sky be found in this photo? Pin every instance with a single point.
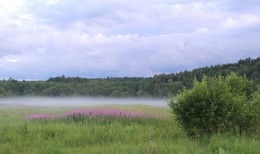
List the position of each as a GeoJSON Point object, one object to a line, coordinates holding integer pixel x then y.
{"type": "Point", "coordinates": [100, 38]}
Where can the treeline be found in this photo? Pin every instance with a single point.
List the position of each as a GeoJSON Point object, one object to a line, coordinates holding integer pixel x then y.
{"type": "Point", "coordinates": [161, 85]}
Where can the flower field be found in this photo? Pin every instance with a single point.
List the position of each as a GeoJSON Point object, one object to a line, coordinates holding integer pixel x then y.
{"type": "Point", "coordinates": [91, 113]}
{"type": "Point", "coordinates": [95, 115]}
{"type": "Point", "coordinates": [110, 129]}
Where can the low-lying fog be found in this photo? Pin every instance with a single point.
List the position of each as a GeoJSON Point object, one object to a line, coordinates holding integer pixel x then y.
{"type": "Point", "coordinates": [78, 101]}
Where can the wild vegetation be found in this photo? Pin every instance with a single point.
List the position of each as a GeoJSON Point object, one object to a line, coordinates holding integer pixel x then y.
{"type": "Point", "coordinates": [216, 111]}
{"type": "Point", "coordinates": [161, 85]}
{"type": "Point", "coordinates": [19, 133]}
{"type": "Point", "coordinates": [218, 105]}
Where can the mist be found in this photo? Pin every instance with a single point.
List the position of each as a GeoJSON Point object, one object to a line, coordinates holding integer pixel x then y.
{"type": "Point", "coordinates": [78, 101]}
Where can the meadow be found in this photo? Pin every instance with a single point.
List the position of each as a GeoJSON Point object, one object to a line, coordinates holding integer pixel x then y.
{"type": "Point", "coordinates": [133, 129]}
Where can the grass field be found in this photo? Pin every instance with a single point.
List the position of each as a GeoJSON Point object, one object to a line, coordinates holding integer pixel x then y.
{"type": "Point", "coordinates": [158, 134]}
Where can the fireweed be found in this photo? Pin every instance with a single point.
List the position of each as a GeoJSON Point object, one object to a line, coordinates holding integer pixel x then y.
{"type": "Point", "coordinates": [39, 116]}
{"type": "Point", "coordinates": [101, 115]}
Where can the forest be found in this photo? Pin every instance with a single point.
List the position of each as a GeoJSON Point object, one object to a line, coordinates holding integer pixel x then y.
{"type": "Point", "coordinates": [160, 85]}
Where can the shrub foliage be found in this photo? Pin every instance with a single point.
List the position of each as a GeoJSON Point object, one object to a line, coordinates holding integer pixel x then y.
{"type": "Point", "coordinates": [218, 105]}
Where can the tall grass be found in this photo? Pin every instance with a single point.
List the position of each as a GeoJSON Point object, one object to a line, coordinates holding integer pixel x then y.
{"type": "Point", "coordinates": [156, 135]}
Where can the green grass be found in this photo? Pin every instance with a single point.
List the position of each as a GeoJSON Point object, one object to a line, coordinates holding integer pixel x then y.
{"type": "Point", "coordinates": [163, 135]}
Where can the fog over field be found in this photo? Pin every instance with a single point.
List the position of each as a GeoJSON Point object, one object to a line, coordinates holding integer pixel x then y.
{"type": "Point", "coordinates": [78, 101]}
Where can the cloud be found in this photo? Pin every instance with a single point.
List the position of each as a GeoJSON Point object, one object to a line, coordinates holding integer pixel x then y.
{"type": "Point", "coordinates": [39, 39]}
{"type": "Point", "coordinates": [240, 6]}
{"type": "Point", "coordinates": [242, 22]}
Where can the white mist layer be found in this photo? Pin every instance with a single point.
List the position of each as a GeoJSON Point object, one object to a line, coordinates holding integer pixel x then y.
{"type": "Point", "coordinates": [79, 101]}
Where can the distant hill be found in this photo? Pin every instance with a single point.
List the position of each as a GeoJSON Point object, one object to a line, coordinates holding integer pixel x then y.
{"type": "Point", "coordinates": [248, 67]}
{"type": "Point", "coordinates": [160, 85]}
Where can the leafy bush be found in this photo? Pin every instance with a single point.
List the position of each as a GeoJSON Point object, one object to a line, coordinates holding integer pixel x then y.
{"type": "Point", "coordinates": [217, 105]}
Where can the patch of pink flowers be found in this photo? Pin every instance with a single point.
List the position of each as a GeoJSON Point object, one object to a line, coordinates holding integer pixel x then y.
{"type": "Point", "coordinates": [105, 113]}
{"type": "Point", "coordinates": [89, 113]}
{"type": "Point", "coordinates": [39, 116]}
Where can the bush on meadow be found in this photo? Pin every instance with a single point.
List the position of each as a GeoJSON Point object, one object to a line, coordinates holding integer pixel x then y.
{"type": "Point", "coordinates": [218, 105]}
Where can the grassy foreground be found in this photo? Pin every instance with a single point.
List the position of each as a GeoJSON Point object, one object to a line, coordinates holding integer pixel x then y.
{"type": "Point", "coordinates": [154, 135]}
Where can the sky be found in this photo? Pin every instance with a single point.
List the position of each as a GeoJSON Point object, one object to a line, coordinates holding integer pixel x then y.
{"type": "Point", "coordinates": [117, 38]}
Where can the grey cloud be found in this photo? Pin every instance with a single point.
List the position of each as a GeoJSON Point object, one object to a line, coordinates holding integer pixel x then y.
{"type": "Point", "coordinates": [240, 6]}
{"type": "Point", "coordinates": [118, 17]}
{"type": "Point", "coordinates": [130, 38]}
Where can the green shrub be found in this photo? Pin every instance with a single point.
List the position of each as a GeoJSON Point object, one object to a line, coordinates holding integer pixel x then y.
{"type": "Point", "coordinates": [217, 105]}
